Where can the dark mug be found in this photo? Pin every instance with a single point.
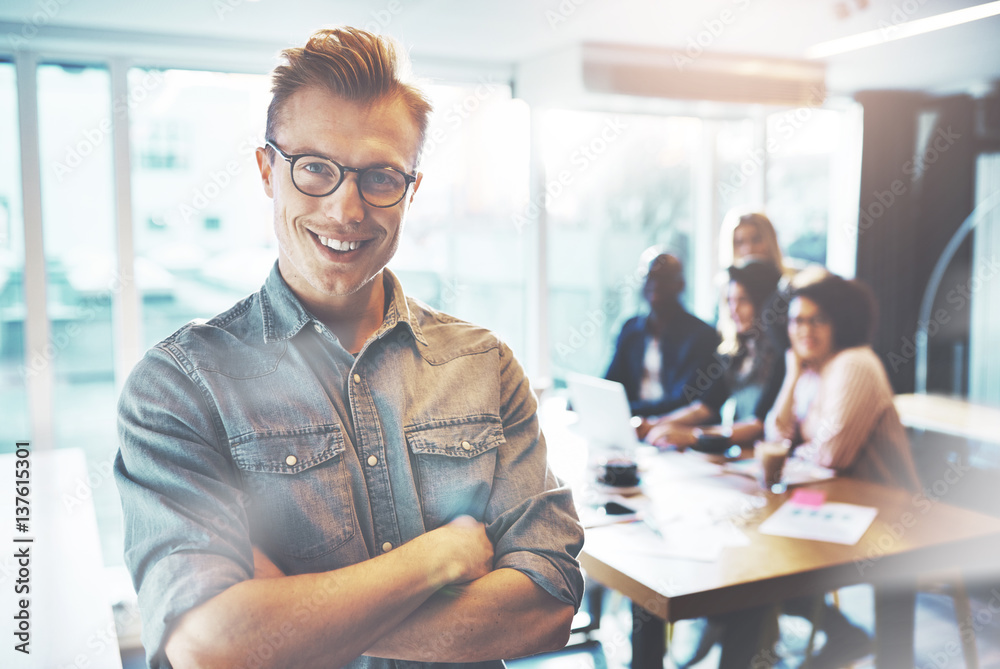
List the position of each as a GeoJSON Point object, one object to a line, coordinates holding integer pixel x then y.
{"type": "Point", "coordinates": [714, 444]}
{"type": "Point", "coordinates": [620, 473]}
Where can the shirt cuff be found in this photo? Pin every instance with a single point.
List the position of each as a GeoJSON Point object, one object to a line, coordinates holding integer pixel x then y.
{"type": "Point", "coordinates": [557, 574]}
{"type": "Point", "coordinates": [176, 584]}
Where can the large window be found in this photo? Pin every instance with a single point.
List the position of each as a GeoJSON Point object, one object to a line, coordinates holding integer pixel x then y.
{"type": "Point", "coordinates": [802, 144]}
{"type": "Point", "coordinates": [81, 270]}
{"type": "Point", "coordinates": [13, 369]}
{"type": "Point", "coordinates": [461, 251]}
{"type": "Point", "coordinates": [618, 184]}
{"type": "Point", "coordinates": [615, 185]}
{"type": "Point", "coordinates": [202, 223]}
{"type": "Point", "coordinates": [740, 166]}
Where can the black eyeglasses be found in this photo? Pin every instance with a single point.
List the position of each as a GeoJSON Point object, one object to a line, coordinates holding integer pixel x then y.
{"type": "Point", "coordinates": [317, 176]}
{"type": "Point", "coordinates": [811, 321]}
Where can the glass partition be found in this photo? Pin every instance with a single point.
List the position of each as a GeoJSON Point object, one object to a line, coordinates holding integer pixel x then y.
{"type": "Point", "coordinates": [13, 367]}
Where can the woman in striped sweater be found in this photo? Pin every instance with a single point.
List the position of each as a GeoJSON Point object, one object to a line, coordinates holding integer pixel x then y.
{"type": "Point", "coordinates": [836, 404]}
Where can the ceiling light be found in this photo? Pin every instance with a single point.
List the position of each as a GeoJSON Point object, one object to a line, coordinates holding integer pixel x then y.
{"type": "Point", "coordinates": [888, 32]}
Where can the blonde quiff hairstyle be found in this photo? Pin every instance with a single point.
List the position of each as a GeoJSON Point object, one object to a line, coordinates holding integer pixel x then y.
{"type": "Point", "coordinates": [353, 64]}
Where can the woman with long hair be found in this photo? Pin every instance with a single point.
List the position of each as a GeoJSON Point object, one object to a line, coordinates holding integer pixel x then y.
{"type": "Point", "coordinates": [746, 235]}
{"type": "Point", "coordinates": [748, 369]}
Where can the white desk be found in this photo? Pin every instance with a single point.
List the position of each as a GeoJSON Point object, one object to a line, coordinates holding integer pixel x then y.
{"type": "Point", "coordinates": [71, 621]}
{"type": "Point", "coordinates": [949, 415]}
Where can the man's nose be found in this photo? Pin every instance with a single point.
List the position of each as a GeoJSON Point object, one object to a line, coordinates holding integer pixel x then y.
{"type": "Point", "coordinates": [345, 204]}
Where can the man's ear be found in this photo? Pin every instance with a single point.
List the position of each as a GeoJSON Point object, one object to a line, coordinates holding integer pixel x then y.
{"type": "Point", "coordinates": [266, 171]}
{"type": "Point", "coordinates": [416, 185]}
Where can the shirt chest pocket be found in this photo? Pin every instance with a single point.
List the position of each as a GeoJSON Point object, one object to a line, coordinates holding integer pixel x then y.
{"type": "Point", "coordinates": [301, 503]}
{"type": "Point", "coordinates": [454, 465]}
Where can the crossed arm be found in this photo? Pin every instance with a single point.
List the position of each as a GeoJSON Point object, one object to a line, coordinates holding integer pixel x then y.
{"type": "Point", "coordinates": [437, 597]}
{"type": "Point", "coordinates": [434, 598]}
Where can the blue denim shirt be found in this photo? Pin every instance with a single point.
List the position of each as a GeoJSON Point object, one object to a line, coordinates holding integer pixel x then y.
{"type": "Point", "coordinates": [259, 428]}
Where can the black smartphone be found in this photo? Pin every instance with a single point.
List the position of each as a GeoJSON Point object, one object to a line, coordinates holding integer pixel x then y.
{"type": "Point", "coordinates": [616, 509]}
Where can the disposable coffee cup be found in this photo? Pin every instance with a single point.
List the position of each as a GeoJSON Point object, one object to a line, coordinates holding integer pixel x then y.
{"type": "Point", "coordinates": [772, 456]}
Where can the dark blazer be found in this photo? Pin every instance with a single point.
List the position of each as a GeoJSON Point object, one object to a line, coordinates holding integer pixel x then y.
{"type": "Point", "coordinates": [687, 347]}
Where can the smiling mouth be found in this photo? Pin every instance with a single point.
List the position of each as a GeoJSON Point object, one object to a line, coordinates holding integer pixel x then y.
{"type": "Point", "coordinates": [339, 245]}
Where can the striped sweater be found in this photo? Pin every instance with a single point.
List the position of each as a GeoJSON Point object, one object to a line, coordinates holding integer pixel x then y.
{"type": "Point", "coordinates": [848, 421]}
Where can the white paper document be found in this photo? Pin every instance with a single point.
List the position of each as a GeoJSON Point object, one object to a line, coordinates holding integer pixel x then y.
{"type": "Point", "coordinates": [833, 521]}
{"type": "Point", "coordinates": [684, 541]}
{"type": "Point", "coordinates": [796, 472]}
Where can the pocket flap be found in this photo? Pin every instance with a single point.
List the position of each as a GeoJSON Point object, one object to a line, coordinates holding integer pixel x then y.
{"type": "Point", "coordinates": [287, 451]}
{"type": "Point", "coordinates": [464, 439]}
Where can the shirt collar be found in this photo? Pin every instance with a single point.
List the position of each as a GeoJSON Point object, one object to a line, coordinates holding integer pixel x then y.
{"type": "Point", "coordinates": [399, 309]}
{"type": "Point", "coordinates": [284, 315]}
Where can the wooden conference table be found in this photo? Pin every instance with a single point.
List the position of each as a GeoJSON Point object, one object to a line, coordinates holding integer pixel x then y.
{"type": "Point", "coordinates": [911, 536]}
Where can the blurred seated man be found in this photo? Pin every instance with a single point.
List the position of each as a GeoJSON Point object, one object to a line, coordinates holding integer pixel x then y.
{"type": "Point", "coordinates": [660, 353]}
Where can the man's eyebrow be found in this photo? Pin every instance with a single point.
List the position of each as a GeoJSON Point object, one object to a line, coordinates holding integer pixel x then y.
{"type": "Point", "coordinates": [320, 154]}
{"type": "Point", "coordinates": [309, 151]}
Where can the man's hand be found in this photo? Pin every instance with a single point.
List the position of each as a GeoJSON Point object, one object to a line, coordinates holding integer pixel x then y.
{"type": "Point", "coordinates": [666, 433]}
{"type": "Point", "coordinates": [263, 567]}
{"type": "Point", "coordinates": [645, 424]}
{"type": "Point", "coordinates": [217, 632]}
{"type": "Point", "coordinates": [464, 544]}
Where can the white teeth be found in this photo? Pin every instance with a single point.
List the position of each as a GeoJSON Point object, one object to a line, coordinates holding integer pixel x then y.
{"type": "Point", "coordinates": [338, 245]}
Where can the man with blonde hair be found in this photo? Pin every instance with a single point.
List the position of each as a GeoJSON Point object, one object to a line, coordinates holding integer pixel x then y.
{"type": "Point", "coordinates": [330, 473]}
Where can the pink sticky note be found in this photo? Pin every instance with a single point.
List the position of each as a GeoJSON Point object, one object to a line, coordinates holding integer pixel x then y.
{"type": "Point", "coordinates": [809, 497]}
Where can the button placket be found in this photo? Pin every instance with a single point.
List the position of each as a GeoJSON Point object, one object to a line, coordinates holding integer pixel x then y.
{"type": "Point", "coordinates": [368, 441]}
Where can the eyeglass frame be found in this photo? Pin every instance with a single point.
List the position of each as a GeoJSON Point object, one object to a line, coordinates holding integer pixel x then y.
{"type": "Point", "coordinates": [344, 170]}
{"type": "Point", "coordinates": [817, 321]}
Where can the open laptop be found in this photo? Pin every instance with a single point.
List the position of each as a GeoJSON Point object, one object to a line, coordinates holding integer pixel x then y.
{"type": "Point", "coordinates": [605, 418]}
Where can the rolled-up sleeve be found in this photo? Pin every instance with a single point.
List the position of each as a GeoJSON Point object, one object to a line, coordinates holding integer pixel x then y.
{"type": "Point", "coordinates": [531, 517]}
{"type": "Point", "coordinates": [186, 530]}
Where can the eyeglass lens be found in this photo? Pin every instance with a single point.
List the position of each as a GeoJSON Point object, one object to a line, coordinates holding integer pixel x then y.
{"type": "Point", "coordinates": [380, 186]}
{"type": "Point", "coordinates": [813, 321]}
